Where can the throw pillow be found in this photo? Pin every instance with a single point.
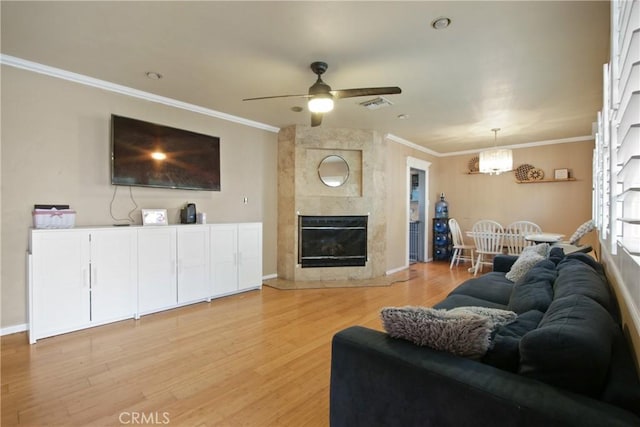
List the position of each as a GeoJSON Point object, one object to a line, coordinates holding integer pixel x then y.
{"type": "Point", "coordinates": [464, 333]}
{"type": "Point", "coordinates": [581, 231]}
{"type": "Point", "coordinates": [496, 316]}
{"type": "Point", "coordinates": [540, 249]}
{"type": "Point", "coordinates": [524, 263]}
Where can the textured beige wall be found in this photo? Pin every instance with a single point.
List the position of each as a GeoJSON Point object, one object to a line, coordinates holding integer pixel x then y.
{"type": "Point", "coordinates": [557, 206]}
{"type": "Point", "coordinates": [56, 149]}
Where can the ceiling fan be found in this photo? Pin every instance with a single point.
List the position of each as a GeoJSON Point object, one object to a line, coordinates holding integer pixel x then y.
{"type": "Point", "coordinates": [321, 96]}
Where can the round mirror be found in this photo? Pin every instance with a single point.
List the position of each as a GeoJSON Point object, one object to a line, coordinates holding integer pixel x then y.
{"type": "Point", "coordinates": [333, 171]}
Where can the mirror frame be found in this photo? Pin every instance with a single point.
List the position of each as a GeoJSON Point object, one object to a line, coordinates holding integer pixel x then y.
{"type": "Point", "coordinates": [325, 177]}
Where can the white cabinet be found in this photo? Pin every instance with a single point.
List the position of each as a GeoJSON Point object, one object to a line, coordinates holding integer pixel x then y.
{"type": "Point", "coordinates": [224, 258]}
{"type": "Point", "coordinates": [236, 257]}
{"type": "Point", "coordinates": [84, 277]}
{"type": "Point", "coordinates": [157, 278]}
{"type": "Point", "coordinates": [194, 283]}
{"type": "Point", "coordinates": [249, 256]}
{"type": "Point", "coordinates": [173, 266]}
{"type": "Point", "coordinates": [79, 279]}
{"type": "Point", "coordinates": [114, 275]}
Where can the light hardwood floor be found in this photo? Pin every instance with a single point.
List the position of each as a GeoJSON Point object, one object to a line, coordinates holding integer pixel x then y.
{"type": "Point", "coordinates": [261, 358]}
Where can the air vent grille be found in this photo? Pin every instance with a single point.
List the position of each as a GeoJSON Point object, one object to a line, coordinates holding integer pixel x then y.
{"type": "Point", "coordinates": [376, 103]}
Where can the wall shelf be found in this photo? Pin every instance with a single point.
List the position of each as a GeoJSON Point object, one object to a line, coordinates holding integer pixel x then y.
{"type": "Point", "coordinates": [540, 181]}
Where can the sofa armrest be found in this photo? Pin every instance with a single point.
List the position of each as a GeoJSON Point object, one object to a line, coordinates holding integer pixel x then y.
{"type": "Point", "coordinates": [503, 263]}
{"type": "Point", "coordinates": [378, 380]}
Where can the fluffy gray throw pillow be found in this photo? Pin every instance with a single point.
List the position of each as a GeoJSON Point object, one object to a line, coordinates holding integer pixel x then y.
{"type": "Point", "coordinates": [496, 316]}
{"type": "Point", "coordinates": [462, 333]}
{"type": "Point", "coordinates": [530, 256]}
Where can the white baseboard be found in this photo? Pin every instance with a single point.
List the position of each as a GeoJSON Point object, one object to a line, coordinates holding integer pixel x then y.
{"type": "Point", "coordinates": [395, 270]}
{"type": "Point", "coordinates": [14, 329]}
{"type": "Point", "coordinates": [25, 326]}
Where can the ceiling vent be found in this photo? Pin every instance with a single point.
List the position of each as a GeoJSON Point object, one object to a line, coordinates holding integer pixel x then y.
{"type": "Point", "coordinates": [376, 103]}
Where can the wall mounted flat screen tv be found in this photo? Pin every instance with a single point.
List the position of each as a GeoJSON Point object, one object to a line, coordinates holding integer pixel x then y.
{"type": "Point", "coordinates": [152, 155]}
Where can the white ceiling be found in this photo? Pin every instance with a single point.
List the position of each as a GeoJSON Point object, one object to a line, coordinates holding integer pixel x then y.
{"type": "Point", "coordinates": [533, 69]}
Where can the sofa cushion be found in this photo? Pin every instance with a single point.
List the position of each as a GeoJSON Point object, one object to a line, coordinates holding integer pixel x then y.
{"type": "Point", "coordinates": [464, 333]}
{"type": "Point", "coordinates": [622, 387]}
{"type": "Point", "coordinates": [534, 291]}
{"type": "Point", "coordinates": [571, 348]}
{"type": "Point", "coordinates": [502, 262]}
{"type": "Point", "coordinates": [453, 301]}
{"type": "Point", "coordinates": [493, 287]}
{"type": "Point", "coordinates": [503, 352]}
{"type": "Point", "coordinates": [579, 274]}
{"type": "Point", "coordinates": [556, 254]}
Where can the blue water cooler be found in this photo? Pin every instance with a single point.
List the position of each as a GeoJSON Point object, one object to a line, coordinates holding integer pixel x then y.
{"type": "Point", "coordinates": [442, 245]}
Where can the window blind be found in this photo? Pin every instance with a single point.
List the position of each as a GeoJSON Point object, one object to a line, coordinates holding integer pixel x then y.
{"type": "Point", "coordinates": [625, 121]}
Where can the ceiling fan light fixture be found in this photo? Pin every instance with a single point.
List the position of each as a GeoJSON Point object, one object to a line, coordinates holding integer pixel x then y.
{"type": "Point", "coordinates": [322, 103]}
{"type": "Point", "coordinates": [496, 160]}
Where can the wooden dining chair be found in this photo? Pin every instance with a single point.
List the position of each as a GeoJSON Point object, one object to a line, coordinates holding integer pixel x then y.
{"type": "Point", "coordinates": [515, 234]}
{"type": "Point", "coordinates": [459, 246]}
{"type": "Point", "coordinates": [488, 237]}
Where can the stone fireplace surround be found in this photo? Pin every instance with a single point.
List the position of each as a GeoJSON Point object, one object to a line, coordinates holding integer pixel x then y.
{"type": "Point", "coordinates": [301, 192]}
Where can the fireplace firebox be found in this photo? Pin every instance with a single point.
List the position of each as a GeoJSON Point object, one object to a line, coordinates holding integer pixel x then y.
{"type": "Point", "coordinates": [332, 241]}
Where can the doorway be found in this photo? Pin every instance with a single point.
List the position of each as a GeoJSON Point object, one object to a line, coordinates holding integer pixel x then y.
{"type": "Point", "coordinates": [417, 208]}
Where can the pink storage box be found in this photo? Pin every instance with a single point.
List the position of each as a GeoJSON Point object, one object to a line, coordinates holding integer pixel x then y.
{"type": "Point", "coordinates": [54, 218]}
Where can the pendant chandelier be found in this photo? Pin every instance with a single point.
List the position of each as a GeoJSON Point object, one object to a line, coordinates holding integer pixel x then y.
{"type": "Point", "coordinates": [496, 160]}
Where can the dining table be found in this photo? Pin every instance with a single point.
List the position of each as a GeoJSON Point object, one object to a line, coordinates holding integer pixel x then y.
{"type": "Point", "coordinates": [544, 237]}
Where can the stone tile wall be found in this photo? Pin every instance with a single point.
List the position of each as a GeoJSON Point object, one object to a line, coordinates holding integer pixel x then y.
{"type": "Point", "coordinates": [301, 192]}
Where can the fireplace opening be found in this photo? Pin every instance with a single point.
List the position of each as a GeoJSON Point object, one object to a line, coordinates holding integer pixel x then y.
{"type": "Point", "coordinates": [332, 241]}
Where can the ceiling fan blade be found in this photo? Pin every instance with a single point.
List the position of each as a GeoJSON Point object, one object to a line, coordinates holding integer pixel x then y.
{"type": "Point", "coordinates": [366, 91]}
{"type": "Point", "coordinates": [316, 119]}
{"type": "Point", "coordinates": [277, 96]}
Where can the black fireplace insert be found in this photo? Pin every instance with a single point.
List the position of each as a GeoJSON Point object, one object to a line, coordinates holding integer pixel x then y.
{"type": "Point", "coordinates": [332, 241]}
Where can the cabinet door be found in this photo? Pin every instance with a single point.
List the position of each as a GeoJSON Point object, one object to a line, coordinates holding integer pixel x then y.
{"type": "Point", "coordinates": [249, 255]}
{"type": "Point", "coordinates": [193, 264]}
{"type": "Point", "coordinates": [113, 274]}
{"type": "Point", "coordinates": [224, 260]}
{"type": "Point", "coordinates": [157, 287]}
{"type": "Point", "coordinates": [60, 282]}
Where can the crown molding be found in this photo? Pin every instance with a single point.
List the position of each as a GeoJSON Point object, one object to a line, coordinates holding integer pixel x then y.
{"type": "Point", "coordinates": [402, 141]}
{"type": "Point", "coordinates": [415, 146]}
{"type": "Point", "coordinates": [35, 67]}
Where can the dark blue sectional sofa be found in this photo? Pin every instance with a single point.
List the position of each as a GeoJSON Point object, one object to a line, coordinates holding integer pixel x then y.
{"type": "Point", "coordinates": [563, 362]}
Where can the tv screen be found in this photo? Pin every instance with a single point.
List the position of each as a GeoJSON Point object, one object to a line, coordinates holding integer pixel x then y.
{"type": "Point", "coordinates": [151, 155]}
